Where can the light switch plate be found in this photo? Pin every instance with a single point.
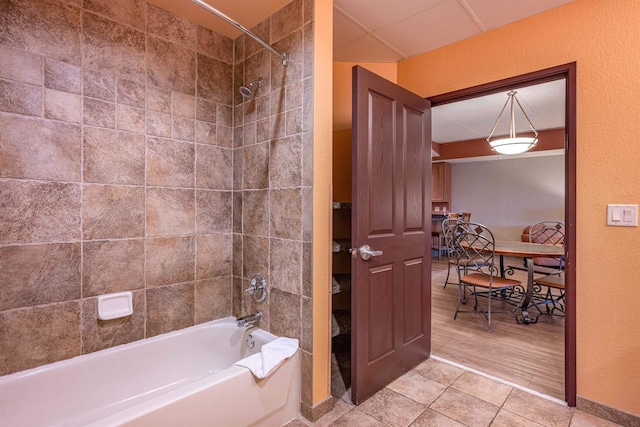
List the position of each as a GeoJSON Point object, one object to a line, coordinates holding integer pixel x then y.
{"type": "Point", "coordinates": [622, 215]}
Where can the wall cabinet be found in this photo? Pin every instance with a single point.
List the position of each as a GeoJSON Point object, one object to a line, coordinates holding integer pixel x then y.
{"type": "Point", "coordinates": [440, 187]}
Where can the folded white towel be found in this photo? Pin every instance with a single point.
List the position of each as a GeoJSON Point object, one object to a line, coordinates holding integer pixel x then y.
{"type": "Point", "coordinates": [270, 357]}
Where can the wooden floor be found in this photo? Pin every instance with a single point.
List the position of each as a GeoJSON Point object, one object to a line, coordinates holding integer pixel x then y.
{"type": "Point", "coordinates": [528, 355]}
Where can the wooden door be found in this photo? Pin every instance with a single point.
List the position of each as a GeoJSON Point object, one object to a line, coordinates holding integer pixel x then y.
{"type": "Point", "coordinates": [391, 293]}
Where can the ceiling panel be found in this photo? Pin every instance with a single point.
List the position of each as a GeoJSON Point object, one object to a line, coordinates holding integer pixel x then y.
{"type": "Point", "coordinates": [376, 14]}
{"type": "Point", "coordinates": [496, 13]}
{"type": "Point", "coordinates": [345, 30]}
{"type": "Point", "coordinates": [367, 48]}
{"type": "Point", "coordinates": [431, 29]}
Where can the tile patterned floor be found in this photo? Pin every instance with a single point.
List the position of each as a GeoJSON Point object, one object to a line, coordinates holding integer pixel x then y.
{"type": "Point", "coordinates": [438, 394]}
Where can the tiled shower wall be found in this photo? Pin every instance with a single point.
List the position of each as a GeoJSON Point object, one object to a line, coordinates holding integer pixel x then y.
{"type": "Point", "coordinates": [273, 177]}
{"type": "Point", "coordinates": [129, 162]}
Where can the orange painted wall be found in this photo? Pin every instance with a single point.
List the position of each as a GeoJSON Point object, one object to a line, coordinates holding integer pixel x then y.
{"type": "Point", "coordinates": [603, 37]}
{"type": "Point", "coordinates": [322, 210]}
{"type": "Point", "coordinates": [342, 121]}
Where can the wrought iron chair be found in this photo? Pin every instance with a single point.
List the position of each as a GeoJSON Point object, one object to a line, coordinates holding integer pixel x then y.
{"type": "Point", "coordinates": [549, 233]}
{"type": "Point", "coordinates": [448, 228]}
{"type": "Point", "coordinates": [437, 236]}
{"type": "Point", "coordinates": [552, 301]}
{"type": "Point", "coordinates": [477, 269]}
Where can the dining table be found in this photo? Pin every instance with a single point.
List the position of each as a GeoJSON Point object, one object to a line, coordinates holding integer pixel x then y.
{"type": "Point", "coordinates": [528, 251]}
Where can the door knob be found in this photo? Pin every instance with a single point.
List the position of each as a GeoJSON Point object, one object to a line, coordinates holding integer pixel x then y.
{"type": "Point", "coordinates": [366, 252]}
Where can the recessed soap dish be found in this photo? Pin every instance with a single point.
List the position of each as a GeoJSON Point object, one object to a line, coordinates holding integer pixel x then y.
{"type": "Point", "coordinates": [114, 306]}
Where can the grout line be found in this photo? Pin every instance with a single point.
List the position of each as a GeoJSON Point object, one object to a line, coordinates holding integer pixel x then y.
{"type": "Point", "coordinates": [500, 380]}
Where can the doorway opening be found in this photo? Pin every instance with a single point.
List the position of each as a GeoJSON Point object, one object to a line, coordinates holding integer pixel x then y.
{"type": "Point", "coordinates": [341, 369]}
{"type": "Point", "coordinates": [525, 356]}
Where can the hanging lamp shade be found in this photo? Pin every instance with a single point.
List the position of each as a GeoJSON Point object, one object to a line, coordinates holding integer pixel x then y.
{"type": "Point", "coordinates": [513, 144]}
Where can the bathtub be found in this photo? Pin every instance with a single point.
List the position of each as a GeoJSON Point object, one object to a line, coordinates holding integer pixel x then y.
{"type": "Point", "coordinates": [182, 378]}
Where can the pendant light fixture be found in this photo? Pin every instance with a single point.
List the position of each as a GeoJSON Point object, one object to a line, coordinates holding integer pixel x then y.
{"type": "Point", "coordinates": [513, 144]}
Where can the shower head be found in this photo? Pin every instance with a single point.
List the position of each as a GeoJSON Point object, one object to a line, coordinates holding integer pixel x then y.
{"type": "Point", "coordinates": [249, 90]}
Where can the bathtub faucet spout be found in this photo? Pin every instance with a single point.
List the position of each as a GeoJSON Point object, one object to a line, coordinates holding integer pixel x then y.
{"type": "Point", "coordinates": [250, 320]}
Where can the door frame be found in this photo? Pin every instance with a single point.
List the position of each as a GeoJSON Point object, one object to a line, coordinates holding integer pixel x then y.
{"type": "Point", "coordinates": [568, 72]}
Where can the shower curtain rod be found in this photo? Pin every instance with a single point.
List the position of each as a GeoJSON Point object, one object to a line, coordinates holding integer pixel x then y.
{"type": "Point", "coordinates": [284, 57]}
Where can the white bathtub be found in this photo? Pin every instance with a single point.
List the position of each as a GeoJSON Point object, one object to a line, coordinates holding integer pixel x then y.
{"type": "Point", "coordinates": [183, 378]}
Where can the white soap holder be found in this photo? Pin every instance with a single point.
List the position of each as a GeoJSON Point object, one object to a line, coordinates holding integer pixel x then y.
{"type": "Point", "coordinates": [114, 306]}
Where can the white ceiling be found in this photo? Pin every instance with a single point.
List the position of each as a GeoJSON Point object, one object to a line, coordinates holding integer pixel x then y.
{"type": "Point", "coordinates": [473, 118]}
{"type": "Point", "coordinates": [393, 30]}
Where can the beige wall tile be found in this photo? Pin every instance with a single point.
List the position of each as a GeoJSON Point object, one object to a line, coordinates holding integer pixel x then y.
{"type": "Point", "coordinates": [286, 20]}
{"type": "Point", "coordinates": [39, 149]}
{"type": "Point", "coordinates": [158, 99]}
{"type": "Point", "coordinates": [284, 76]}
{"type": "Point", "coordinates": [39, 212]}
{"type": "Point", "coordinates": [158, 124]}
{"type": "Point", "coordinates": [111, 211]}
{"type": "Point", "coordinates": [215, 45]}
{"type": "Point", "coordinates": [20, 66]}
{"type": "Point", "coordinates": [100, 334]}
{"type": "Point", "coordinates": [56, 24]}
{"type": "Point", "coordinates": [215, 80]}
{"type": "Point", "coordinates": [131, 119]}
{"type": "Point", "coordinates": [285, 162]}
{"type": "Point", "coordinates": [214, 168]}
{"type": "Point", "coordinates": [171, 66]}
{"type": "Point", "coordinates": [170, 163]}
{"type": "Point", "coordinates": [237, 212]}
{"type": "Point", "coordinates": [183, 128]}
{"type": "Point", "coordinates": [285, 213]}
{"type": "Point", "coordinates": [224, 136]}
{"type": "Point", "coordinates": [183, 105]}
{"type": "Point", "coordinates": [214, 255]}
{"type": "Point", "coordinates": [255, 212]}
{"type": "Point", "coordinates": [285, 260]}
{"type": "Point", "coordinates": [62, 106]}
{"type": "Point", "coordinates": [307, 35]}
{"type": "Point", "coordinates": [112, 266]}
{"type": "Point", "coordinates": [112, 157]}
{"type": "Point", "coordinates": [237, 255]}
{"type": "Point", "coordinates": [306, 334]}
{"type": "Point", "coordinates": [170, 212]}
{"type": "Point", "coordinates": [206, 110]}
{"type": "Point", "coordinates": [62, 76]}
{"type": "Point", "coordinates": [307, 269]}
{"type": "Point", "coordinates": [214, 212]}
{"type": "Point", "coordinates": [130, 12]}
{"type": "Point", "coordinates": [170, 308]}
{"type": "Point", "coordinates": [307, 158]}
{"type": "Point", "coordinates": [213, 299]}
{"type": "Point", "coordinates": [20, 98]}
{"type": "Point", "coordinates": [39, 335]}
{"type": "Point", "coordinates": [113, 47]}
{"type": "Point", "coordinates": [293, 120]}
{"type": "Point", "coordinates": [39, 274]}
{"type": "Point", "coordinates": [99, 113]}
{"type": "Point", "coordinates": [206, 133]}
{"type": "Point", "coordinates": [250, 133]}
{"type": "Point", "coordinates": [255, 168]}
{"type": "Point", "coordinates": [255, 256]}
{"type": "Point", "coordinates": [284, 314]}
{"type": "Point", "coordinates": [171, 27]}
{"type": "Point", "coordinates": [262, 30]}
{"type": "Point", "coordinates": [170, 260]}
{"type": "Point", "coordinates": [131, 93]}
{"type": "Point", "coordinates": [99, 85]}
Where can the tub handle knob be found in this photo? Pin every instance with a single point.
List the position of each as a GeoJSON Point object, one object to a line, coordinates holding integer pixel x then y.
{"type": "Point", "coordinates": [257, 288]}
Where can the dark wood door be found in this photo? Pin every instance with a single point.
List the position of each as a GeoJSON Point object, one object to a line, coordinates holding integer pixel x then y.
{"type": "Point", "coordinates": [391, 293]}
